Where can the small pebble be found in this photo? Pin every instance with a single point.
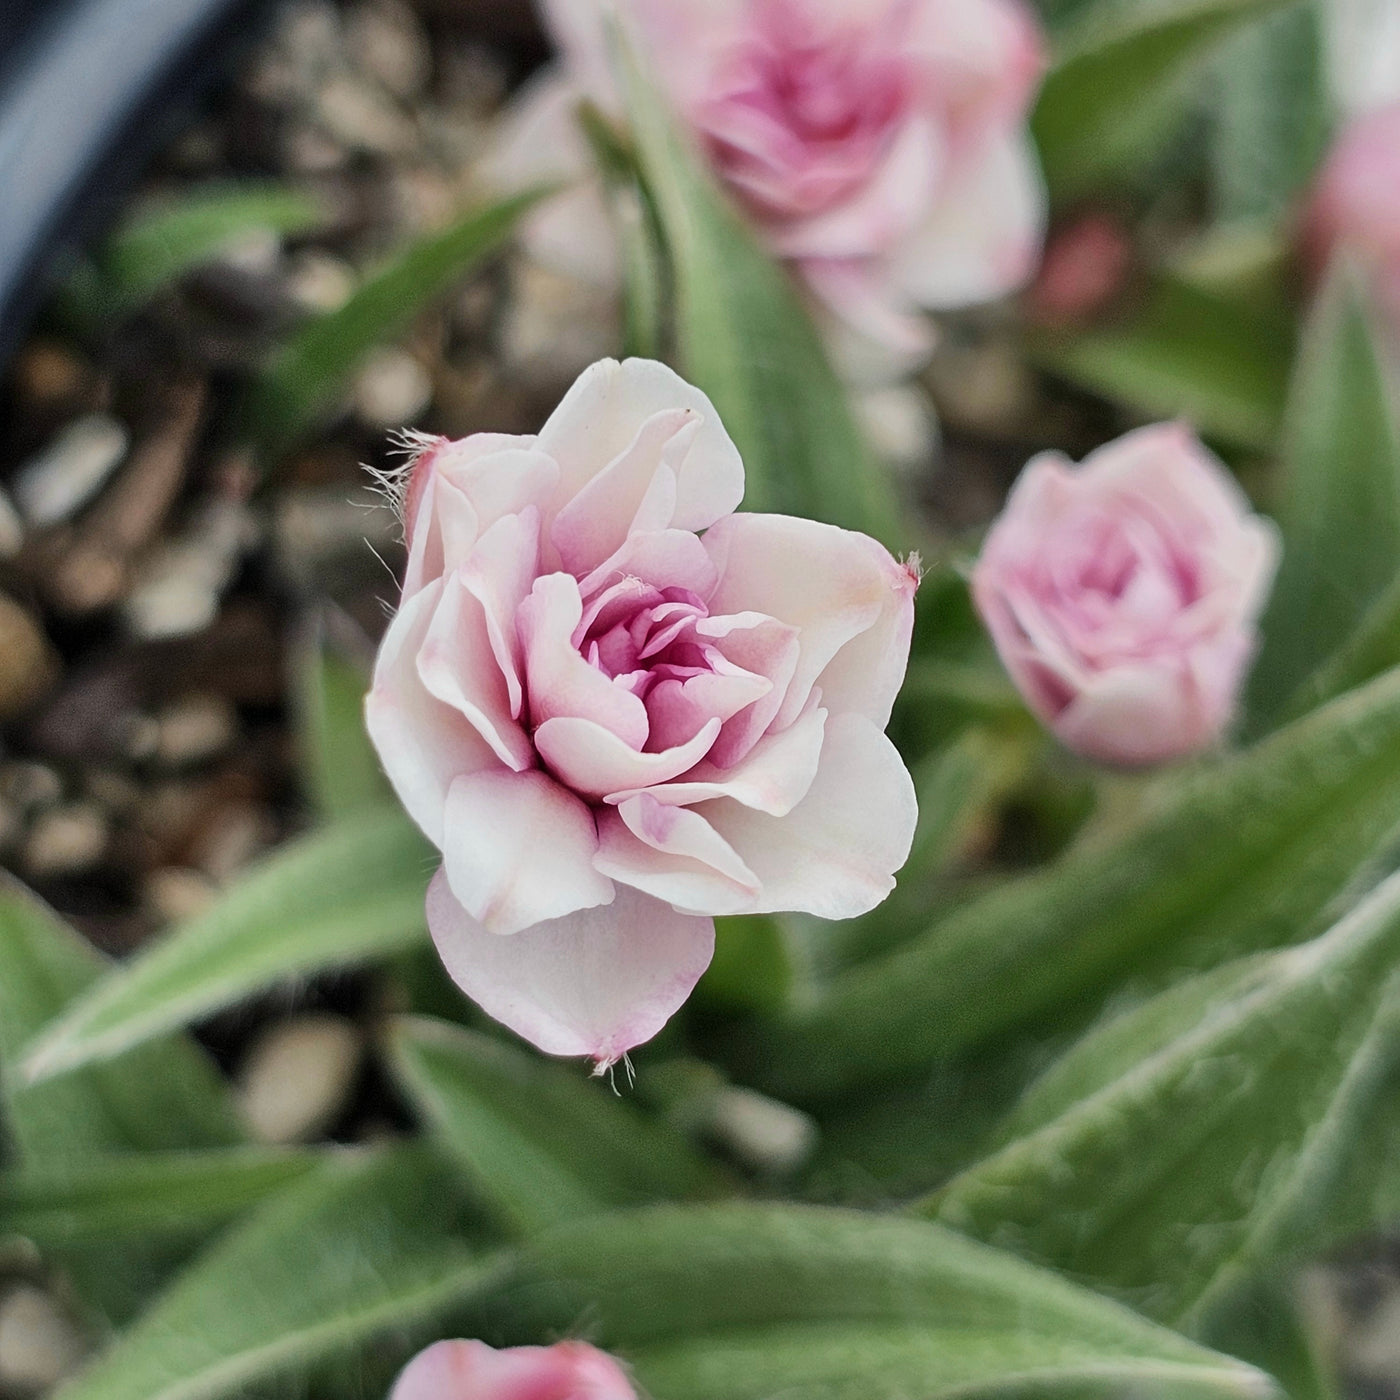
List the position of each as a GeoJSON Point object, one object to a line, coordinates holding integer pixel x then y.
{"type": "Point", "coordinates": [175, 893]}
{"type": "Point", "coordinates": [255, 251]}
{"type": "Point", "coordinates": [391, 389]}
{"type": "Point", "coordinates": [71, 469]}
{"type": "Point", "coordinates": [364, 118]}
{"type": "Point", "coordinates": [238, 833]}
{"type": "Point", "coordinates": [318, 282]}
{"type": "Point", "coordinates": [28, 663]}
{"type": "Point", "coordinates": [11, 824]}
{"type": "Point", "coordinates": [178, 588]}
{"type": "Point", "coordinates": [387, 42]}
{"type": "Point", "coordinates": [297, 1076]}
{"type": "Point", "coordinates": [39, 1345]}
{"type": "Point", "coordinates": [30, 786]}
{"type": "Point", "coordinates": [768, 1136]}
{"type": "Point", "coordinates": [194, 730]}
{"type": "Point", "coordinates": [307, 150]}
{"type": "Point", "coordinates": [66, 840]}
{"type": "Point", "coordinates": [49, 376]}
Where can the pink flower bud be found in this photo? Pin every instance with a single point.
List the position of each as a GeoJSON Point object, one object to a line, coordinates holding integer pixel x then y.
{"type": "Point", "coordinates": [614, 726]}
{"type": "Point", "coordinates": [1084, 267]}
{"type": "Point", "coordinates": [474, 1371]}
{"type": "Point", "coordinates": [1122, 594]}
{"type": "Point", "coordinates": [1355, 205]}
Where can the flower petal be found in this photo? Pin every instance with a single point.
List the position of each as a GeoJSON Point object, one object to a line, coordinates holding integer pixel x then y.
{"type": "Point", "coordinates": [422, 743]}
{"type": "Point", "coordinates": [458, 666]}
{"type": "Point", "coordinates": [672, 853]}
{"type": "Point", "coordinates": [592, 983]}
{"type": "Point", "coordinates": [835, 853]}
{"type": "Point", "coordinates": [593, 760]}
{"type": "Point", "coordinates": [559, 681]}
{"type": "Point", "coordinates": [519, 849]}
{"type": "Point", "coordinates": [600, 416]}
{"type": "Point", "coordinates": [832, 585]}
{"type": "Point", "coordinates": [984, 236]}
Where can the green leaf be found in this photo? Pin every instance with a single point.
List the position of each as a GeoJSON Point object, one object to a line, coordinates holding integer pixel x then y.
{"type": "Point", "coordinates": [746, 1302]}
{"type": "Point", "coordinates": [344, 894]}
{"type": "Point", "coordinates": [340, 767]}
{"type": "Point", "coordinates": [133, 1196]}
{"type": "Point", "coordinates": [161, 1096]}
{"type": "Point", "coordinates": [310, 374]}
{"type": "Point", "coordinates": [752, 969]}
{"type": "Point", "coordinates": [1188, 353]}
{"type": "Point", "coordinates": [744, 337]}
{"type": "Point", "coordinates": [163, 242]}
{"type": "Point", "coordinates": [1340, 505]}
{"type": "Point", "coordinates": [1264, 149]}
{"type": "Point", "coordinates": [540, 1143]}
{"type": "Point", "coordinates": [1116, 80]}
{"type": "Point", "coordinates": [367, 1243]}
{"type": "Point", "coordinates": [1244, 854]}
{"type": "Point", "coordinates": [1192, 1143]}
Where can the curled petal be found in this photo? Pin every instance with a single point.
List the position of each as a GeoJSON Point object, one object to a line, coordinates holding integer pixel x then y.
{"type": "Point", "coordinates": [593, 983]}
{"type": "Point", "coordinates": [832, 586]}
{"type": "Point", "coordinates": [600, 416]}
{"type": "Point", "coordinates": [519, 849]}
{"type": "Point", "coordinates": [672, 853]}
{"type": "Point", "coordinates": [835, 853]}
{"type": "Point", "coordinates": [593, 760]}
{"type": "Point", "coordinates": [422, 743]}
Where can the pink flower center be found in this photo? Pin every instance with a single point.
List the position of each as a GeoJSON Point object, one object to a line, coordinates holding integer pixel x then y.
{"type": "Point", "coordinates": [802, 110]}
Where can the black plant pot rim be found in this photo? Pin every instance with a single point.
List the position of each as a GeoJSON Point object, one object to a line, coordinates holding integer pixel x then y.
{"type": "Point", "coordinates": [88, 90]}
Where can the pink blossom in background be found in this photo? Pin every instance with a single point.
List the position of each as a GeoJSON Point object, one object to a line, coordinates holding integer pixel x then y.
{"type": "Point", "coordinates": [1085, 266]}
{"type": "Point", "coordinates": [1355, 205]}
{"type": "Point", "coordinates": [1122, 594]}
{"type": "Point", "coordinates": [879, 146]}
{"type": "Point", "coordinates": [614, 726]}
{"type": "Point", "coordinates": [473, 1371]}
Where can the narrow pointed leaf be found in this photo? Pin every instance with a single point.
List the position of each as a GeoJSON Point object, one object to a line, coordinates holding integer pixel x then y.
{"type": "Point", "coordinates": [744, 1302]}
{"type": "Point", "coordinates": [131, 1196]}
{"type": "Point", "coordinates": [366, 1244]}
{"type": "Point", "coordinates": [745, 338]}
{"type": "Point", "coordinates": [1340, 507]}
{"type": "Point", "coordinates": [346, 893]}
{"type": "Point", "coordinates": [1114, 87]}
{"type": "Point", "coordinates": [539, 1142]}
{"type": "Point", "coordinates": [1243, 1098]}
{"type": "Point", "coordinates": [340, 767]}
{"type": "Point", "coordinates": [162, 1096]}
{"type": "Point", "coordinates": [311, 373]}
{"type": "Point", "coordinates": [1244, 855]}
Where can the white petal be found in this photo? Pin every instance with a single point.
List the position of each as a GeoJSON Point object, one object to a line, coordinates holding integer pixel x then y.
{"type": "Point", "coordinates": [458, 666]}
{"type": "Point", "coordinates": [830, 584]}
{"type": "Point", "coordinates": [592, 983]}
{"type": "Point", "coordinates": [836, 852]}
{"type": "Point", "coordinates": [984, 236]}
{"type": "Point", "coordinates": [422, 743]}
{"type": "Point", "coordinates": [593, 760]}
{"type": "Point", "coordinates": [600, 416]}
{"type": "Point", "coordinates": [674, 854]}
{"type": "Point", "coordinates": [519, 849]}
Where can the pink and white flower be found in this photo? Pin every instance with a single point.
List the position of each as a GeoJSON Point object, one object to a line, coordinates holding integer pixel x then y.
{"type": "Point", "coordinates": [468, 1370]}
{"type": "Point", "coordinates": [879, 146]}
{"type": "Point", "coordinates": [617, 708]}
{"type": "Point", "coordinates": [1123, 594]}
